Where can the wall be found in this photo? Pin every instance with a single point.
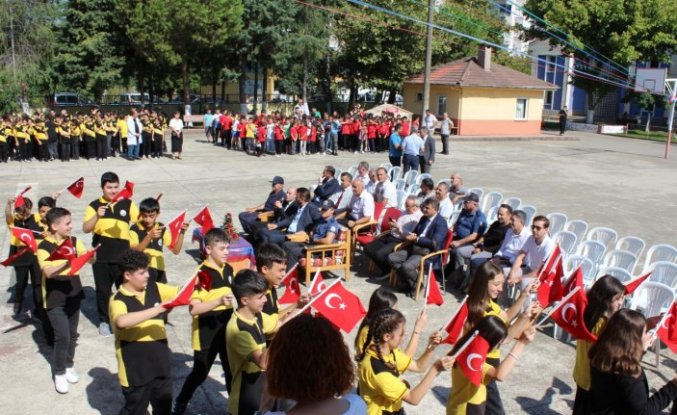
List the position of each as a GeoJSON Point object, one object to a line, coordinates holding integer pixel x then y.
{"type": "Point", "coordinates": [416, 106]}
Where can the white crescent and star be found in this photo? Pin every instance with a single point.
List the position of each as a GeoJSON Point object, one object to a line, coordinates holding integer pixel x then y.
{"type": "Point", "coordinates": [565, 309]}
{"type": "Point", "coordinates": [26, 237]}
{"type": "Point", "coordinates": [667, 319]}
{"type": "Point", "coordinates": [80, 184]}
{"type": "Point", "coordinates": [472, 357]}
{"type": "Point", "coordinates": [67, 251]}
{"type": "Point", "coordinates": [327, 301]}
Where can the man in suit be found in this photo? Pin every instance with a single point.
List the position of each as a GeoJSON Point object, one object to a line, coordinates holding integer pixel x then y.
{"type": "Point", "coordinates": [327, 185]}
{"type": "Point", "coordinates": [427, 155]}
{"type": "Point", "coordinates": [248, 217]}
{"type": "Point", "coordinates": [281, 210]}
{"type": "Point", "coordinates": [428, 236]}
{"type": "Point", "coordinates": [302, 220]}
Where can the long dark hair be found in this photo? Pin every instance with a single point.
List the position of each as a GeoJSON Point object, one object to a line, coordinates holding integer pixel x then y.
{"type": "Point", "coordinates": [619, 348]}
{"type": "Point", "coordinates": [478, 293]}
{"type": "Point", "coordinates": [386, 321]}
{"type": "Point", "coordinates": [381, 299]}
{"type": "Point", "coordinates": [491, 328]}
{"type": "Point", "coordinates": [600, 296]}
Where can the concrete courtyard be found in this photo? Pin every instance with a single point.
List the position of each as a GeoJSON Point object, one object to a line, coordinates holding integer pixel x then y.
{"type": "Point", "coordinates": [607, 181]}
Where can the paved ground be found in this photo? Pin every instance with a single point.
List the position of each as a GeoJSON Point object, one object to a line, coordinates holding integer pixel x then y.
{"type": "Point", "coordinates": [608, 181]}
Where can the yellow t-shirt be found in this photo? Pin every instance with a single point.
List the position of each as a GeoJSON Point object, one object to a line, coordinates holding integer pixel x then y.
{"type": "Point", "coordinates": [153, 251]}
{"type": "Point", "coordinates": [464, 393]}
{"type": "Point", "coordinates": [213, 323]}
{"type": "Point", "coordinates": [122, 127]}
{"type": "Point", "coordinates": [493, 310]}
{"type": "Point", "coordinates": [582, 365]}
{"type": "Point", "coordinates": [379, 381]}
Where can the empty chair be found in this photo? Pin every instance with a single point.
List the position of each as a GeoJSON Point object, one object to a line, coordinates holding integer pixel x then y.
{"type": "Point", "coordinates": [401, 198]}
{"type": "Point", "coordinates": [620, 274]}
{"type": "Point", "coordinates": [577, 226]}
{"type": "Point", "coordinates": [652, 299]}
{"type": "Point", "coordinates": [620, 259]}
{"type": "Point", "coordinates": [557, 222]}
{"type": "Point", "coordinates": [665, 273]}
{"type": "Point", "coordinates": [593, 250]}
{"type": "Point", "coordinates": [400, 184]}
{"type": "Point", "coordinates": [422, 176]}
{"type": "Point", "coordinates": [566, 241]}
{"type": "Point", "coordinates": [660, 252]}
{"type": "Point", "coordinates": [395, 173]}
{"type": "Point", "coordinates": [513, 202]}
{"type": "Point", "coordinates": [414, 189]}
{"type": "Point", "coordinates": [410, 177]}
{"type": "Point", "coordinates": [605, 235]}
{"type": "Point", "coordinates": [632, 244]}
{"type": "Point", "coordinates": [492, 214]}
{"type": "Point", "coordinates": [353, 171]}
{"type": "Point", "coordinates": [337, 173]}
{"type": "Point", "coordinates": [587, 267]}
{"type": "Point", "coordinates": [478, 191]}
{"type": "Point", "coordinates": [530, 211]}
{"type": "Point", "coordinates": [490, 200]}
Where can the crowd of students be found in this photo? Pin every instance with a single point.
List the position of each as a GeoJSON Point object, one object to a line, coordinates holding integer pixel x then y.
{"type": "Point", "coordinates": [237, 317]}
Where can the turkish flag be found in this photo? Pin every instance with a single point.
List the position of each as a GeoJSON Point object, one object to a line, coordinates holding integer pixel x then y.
{"type": "Point", "coordinates": [77, 187]}
{"type": "Point", "coordinates": [64, 251]}
{"type": "Point", "coordinates": [26, 237]}
{"type": "Point", "coordinates": [204, 219]}
{"type": "Point", "coordinates": [317, 285]}
{"type": "Point", "coordinates": [292, 291]}
{"type": "Point", "coordinates": [79, 262]}
{"type": "Point", "coordinates": [175, 226]}
{"type": "Point", "coordinates": [454, 327]}
{"type": "Point", "coordinates": [340, 306]}
{"type": "Point", "coordinates": [574, 280]}
{"type": "Point", "coordinates": [14, 257]}
{"type": "Point", "coordinates": [127, 192]}
{"type": "Point", "coordinates": [550, 277]}
{"type": "Point", "coordinates": [667, 330]}
{"type": "Point", "coordinates": [183, 297]}
{"type": "Point", "coordinates": [433, 295]}
{"type": "Point", "coordinates": [569, 316]}
{"type": "Point", "coordinates": [204, 280]}
{"type": "Point", "coordinates": [472, 358]}
{"type": "Point", "coordinates": [632, 285]}
{"type": "Point", "coordinates": [20, 199]}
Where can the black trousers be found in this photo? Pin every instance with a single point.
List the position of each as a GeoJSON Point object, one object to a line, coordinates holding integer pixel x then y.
{"type": "Point", "coordinates": [494, 402]}
{"type": "Point", "coordinates": [75, 148]}
{"type": "Point", "coordinates": [105, 275]}
{"type": "Point", "coordinates": [445, 143]}
{"type": "Point", "coordinates": [101, 144]}
{"type": "Point", "coordinates": [43, 150]}
{"type": "Point", "coordinates": [65, 149]}
{"type": "Point", "coordinates": [4, 152]}
{"type": "Point", "coordinates": [157, 393]}
{"type": "Point", "coordinates": [64, 320]}
{"type": "Point", "coordinates": [157, 145]}
{"type": "Point", "coordinates": [90, 146]}
{"type": "Point", "coordinates": [379, 250]}
{"type": "Point", "coordinates": [202, 363]}
{"type": "Point", "coordinates": [395, 161]}
{"type": "Point", "coordinates": [146, 144]}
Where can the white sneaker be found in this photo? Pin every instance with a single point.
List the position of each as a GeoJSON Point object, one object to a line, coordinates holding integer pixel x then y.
{"type": "Point", "coordinates": [71, 375]}
{"type": "Point", "coordinates": [104, 330]}
{"type": "Point", "coordinates": [61, 383]}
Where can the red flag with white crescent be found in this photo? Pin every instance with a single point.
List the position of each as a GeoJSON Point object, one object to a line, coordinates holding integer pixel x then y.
{"type": "Point", "coordinates": [8, 261]}
{"type": "Point", "coordinates": [183, 297]}
{"type": "Point", "coordinates": [317, 285]}
{"type": "Point", "coordinates": [340, 306]}
{"type": "Point", "coordinates": [79, 262]}
{"type": "Point", "coordinates": [454, 328]}
{"type": "Point", "coordinates": [64, 251]}
{"type": "Point", "coordinates": [292, 291]}
{"type": "Point", "coordinates": [127, 192]}
{"type": "Point", "coordinates": [204, 219]}
{"type": "Point", "coordinates": [26, 237]}
{"type": "Point", "coordinates": [175, 226]}
{"type": "Point", "coordinates": [471, 360]}
{"type": "Point", "coordinates": [574, 280]}
{"type": "Point", "coordinates": [77, 187]}
{"type": "Point", "coordinates": [569, 316]}
{"type": "Point", "coordinates": [20, 199]}
{"type": "Point", "coordinates": [550, 277]}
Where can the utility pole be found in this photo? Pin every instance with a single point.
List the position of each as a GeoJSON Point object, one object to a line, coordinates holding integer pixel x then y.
{"type": "Point", "coordinates": [11, 39]}
{"type": "Point", "coordinates": [428, 59]}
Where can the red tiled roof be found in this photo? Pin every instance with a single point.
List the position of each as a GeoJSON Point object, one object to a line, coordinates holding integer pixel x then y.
{"type": "Point", "coordinates": [467, 72]}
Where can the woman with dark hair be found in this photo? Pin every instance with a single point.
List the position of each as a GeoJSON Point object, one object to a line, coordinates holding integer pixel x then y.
{"type": "Point", "coordinates": [467, 398]}
{"type": "Point", "coordinates": [382, 363]}
{"type": "Point", "coordinates": [176, 127]}
{"type": "Point", "coordinates": [483, 292]}
{"type": "Point", "coordinates": [618, 383]}
{"type": "Point", "coordinates": [605, 297]}
{"type": "Point", "coordinates": [320, 381]}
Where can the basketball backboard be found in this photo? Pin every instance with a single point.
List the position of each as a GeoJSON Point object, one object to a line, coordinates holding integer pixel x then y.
{"type": "Point", "coordinates": [651, 80]}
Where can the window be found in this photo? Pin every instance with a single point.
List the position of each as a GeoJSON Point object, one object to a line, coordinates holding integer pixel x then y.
{"type": "Point", "coordinates": [441, 105]}
{"type": "Point", "coordinates": [419, 96]}
{"type": "Point", "coordinates": [521, 109]}
{"type": "Point", "coordinates": [549, 97]}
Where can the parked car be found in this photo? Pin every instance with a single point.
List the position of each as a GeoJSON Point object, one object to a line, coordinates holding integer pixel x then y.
{"type": "Point", "coordinates": [65, 99]}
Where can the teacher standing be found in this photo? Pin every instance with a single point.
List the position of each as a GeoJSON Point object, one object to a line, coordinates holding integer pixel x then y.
{"type": "Point", "coordinates": [176, 125]}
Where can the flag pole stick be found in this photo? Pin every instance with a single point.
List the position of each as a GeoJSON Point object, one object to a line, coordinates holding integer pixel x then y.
{"type": "Point", "coordinates": [465, 345]}
{"type": "Point", "coordinates": [458, 310]}
{"type": "Point", "coordinates": [557, 307]}
{"type": "Point", "coordinates": [305, 307]}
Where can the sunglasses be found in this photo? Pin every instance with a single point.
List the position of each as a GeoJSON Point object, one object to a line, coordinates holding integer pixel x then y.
{"type": "Point", "coordinates": [537, 228]}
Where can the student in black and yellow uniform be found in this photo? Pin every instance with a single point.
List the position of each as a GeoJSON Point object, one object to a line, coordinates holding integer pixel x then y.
{"type": "Point", "coordinates": [146, 136]}
{"type": "Point", "coordinates": [39, 133]}
{"type": "Point", "coordinates": [23, 139]}
{"type": "Point", "coordinates": [62, 294]}
{"type": "Point", "coordinates": [4, 146]}
{"type": "Point", "coordinates": [150, 237]}
{"type": "Point", "coordinates": [87, 126]}
{"type": "Point", "coordinates": [141, 346]}
{"type": "Point", "coordinates": [605, 297]}
{"type": "Point", "coordinates": [246, 342]}
{"type": "Point", "coordinates": [109, 224]}
{"type": "Point", "coordinates": [382, 363]}
{"type": "Point", "coordinates": [101, 137]}
{"type": "Point", "coordinates": [121, 124]}
{"type": "Point", "coordinates": [211, 311]}
{"type": "Point", "coordinates": [63, 129]}
{"type": "Point", "coordinates": [76, 136]}
{"type": "Point", "coordinates": [158, 135]}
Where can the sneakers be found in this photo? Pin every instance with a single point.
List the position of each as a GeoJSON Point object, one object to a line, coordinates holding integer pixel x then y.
{"type": "Point", "coordinates": [61, 383]}
{"type": "Point", "coordinates": [179, 408]}
{"type": "Point", "coordinates": [72, 376]}
{"type": "Point", "coordinates": [104, 330]}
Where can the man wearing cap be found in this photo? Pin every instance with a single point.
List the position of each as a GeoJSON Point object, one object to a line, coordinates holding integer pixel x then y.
{"type": "Point", "coordinates": [469, 227]}
{"type": "Point", "coordinates": [361, 208]}
{"type": "Point", "coordinates": [327, 185]}
{"type": "Point", "coordinates": [427, 156]}
{"type": "Point", "coordinates": [248, 217]}
{"type": "Point", "coordinates": [411, 147]}
{"type": "Point", "coordinates": [324, 233]}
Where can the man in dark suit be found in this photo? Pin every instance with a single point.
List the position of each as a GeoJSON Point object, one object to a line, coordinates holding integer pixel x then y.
{"type": "Point", "coordinates": [280, 211]}
{"type": "Point", "coordinates": [427, 156]}
{"type": "Point", "coordinates": [327, 185]}
{"type": "Point", "coordinates": [302, 220]}
{"type": "Point", "coordinates": [428, 236]}
{"type": "Point", "coordinates": [248, 217]}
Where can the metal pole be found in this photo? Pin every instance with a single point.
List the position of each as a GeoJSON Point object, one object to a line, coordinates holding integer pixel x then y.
{"type": "Point", "coordinates": [428, 60]}
{"type": "Point", "coordinates": [673, 97]}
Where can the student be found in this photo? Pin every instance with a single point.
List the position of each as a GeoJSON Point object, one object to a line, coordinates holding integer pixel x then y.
{"type": "Point", "coordinates": [211, 311]}
{"type": "Point", "coordinates": [150, 237]}
{"type": "Point", "coordinates": [618, 382]}
{"type": "Point", "coordinates": [109, 224]}
{"type": "Point", "coordinates": [382, 363]}
{"type": "Point", "coordinates": [605, 297]}
{"type": "Point", "coordinates": [62, 296]}
{"type": "Point", "coordinates": [326, 389]}
{"type": "Point", "coordinates": [141, 348]}
{"type": "Point", "coordinates": [246, 342]}
{"type": "Point", "coordinates": [467, 398]}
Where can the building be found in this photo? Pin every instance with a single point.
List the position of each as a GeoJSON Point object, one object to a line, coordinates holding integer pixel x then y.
{"type": "Point", "coordinates": [483, 98]}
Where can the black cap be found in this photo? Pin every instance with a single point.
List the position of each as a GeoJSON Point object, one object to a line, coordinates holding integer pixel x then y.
{"type": "Point", "coordinates": [327, 204]}
{"type": "Point", "coordinates": [277, 180]}
{"type": "Point", "coordinates": [473, 197]}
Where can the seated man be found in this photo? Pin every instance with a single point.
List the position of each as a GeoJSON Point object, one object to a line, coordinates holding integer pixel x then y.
{"type": "Point", "coordinates": [361, 207]}
{"type": "Point", "coordinates": [469, 227]}
{"type": "Point", "coordinates": [533, 254]}
{"type": "Point", "coordinates": [384, 190]}
{"type": "Point", "coordinates": [457, 191]}
{"type": "Point", "coordinates": [324, 233]}
{"type": "Point", "coordinates": [344, 194]}
{"type": "Point", "coordinates": [249, 216]}
{"type": "Point", "coordinates": [428, 236]}
{"type": "Point", "coordinates": [281, 210]}
{"type": "Point", "coordinates": [363, 172]}
{"type": "Point", "coordinates": [427, 190]}
{"type": "Point", "coordinates": [301, 221]}
{"type": "Point", "coordinates": [442, 194]}
{"type": "Point", "coordinates": [371, 185]}
{"type": "Point", "coordinates": [327, 185]}
{"type": "Point", "coordinates": [379, 249]}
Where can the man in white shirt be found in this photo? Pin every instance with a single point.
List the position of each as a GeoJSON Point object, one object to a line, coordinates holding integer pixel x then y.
{"type": "Point", "coordinates": [363, 173]}
{"type": "Point", "coordinates": [457, 191]}
{"type": "Point", "coordinates": [384, 190]}
{"type": "Point", "coordinates": [430, 121]}
{"type": "Point", "coordinates": [361, 208]}
{"type": "Point", "coordinates": [342, 198]}
{"type": "Point", "coordinates": [411, 148]}
{"type": "Point", "coordinates": [134, 130]}
{"type": "Point", "coordinates": [442, 194]}
{"type": "Point", "coordinates": [532, 254]}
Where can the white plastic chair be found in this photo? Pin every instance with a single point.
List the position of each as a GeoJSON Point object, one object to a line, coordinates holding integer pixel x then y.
{"type": "Point", "coordinates": [401, 198]}
{"type": "Point", "coordinates": [631, 243]}
{"type": "Point", "coordinates": [513, 202]}
{"type": "Point", "coordinates": [410, 177]}
{"type": "Point", "coordinates": [587, 267]}
{"type": "Point", "coordinates": [620, 274]}
{"type": "Point", "coordinates": [492, 214]}
{"type": "Point", "coordinates": [577, 226]}
{"type": "Point", "coordinates": [620, 259]}
{"type": "Point", "coordinates": [490, 200]}
{"type": "Point", "coordinates": [557, 222]}
{"type": "Point", "coordinates": [353, 171]}
{"type": "Point", "coordinates": [337, 173]}
{"type": "Point", "coordinates": [566, 241]}
{"type": "Point", "coordinates": [452, 219]}
{"type": "Point", "coordinates": [660, 252]}
{"type": "Point", "coordinates": [400, 184]}
{"type": "Point", "coordinates": [478, 191]}
{"type": "Point", "coordinates": [422, 176]}
{"type": "Point", "coordinates": [652, 299]}
{"type": "Point", "coordinates": [395, 173]}
{"type": "Point", "coordinates": [530, 212]}
{"type": "Point", "coordinates": [387, 166]}
{"type": "Point", "coordinates": [665, 273]}
{"type": "Point", "coordinates": [414, 189]}
{"type": "Point", "coordinates": [593, 250]}
{"type": "Point", "coordinates": [605, 235]}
